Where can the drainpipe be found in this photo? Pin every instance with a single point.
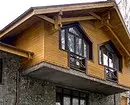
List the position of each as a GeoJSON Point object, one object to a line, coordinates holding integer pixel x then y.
{"type": "Point", "coordinates": [114, 99]}
{"type": "Point", "coordinates": [18, 79]}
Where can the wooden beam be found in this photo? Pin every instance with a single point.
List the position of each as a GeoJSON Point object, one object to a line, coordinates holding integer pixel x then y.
{"type": "Point", "coordinates": [16, 51]}
{"type": "Point", "coordinates": [76, 7]}
{"type": "Point", "coordinates": [46, 18]}
{"type": "Point", "coordinates": [114, 34]}
{"type": "Point", "coordinates": [95, 15]}
{"type": "Point", "coordinates": [77, 19]}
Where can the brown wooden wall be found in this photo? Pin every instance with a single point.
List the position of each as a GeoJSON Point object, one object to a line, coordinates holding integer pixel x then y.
{"type": "Point", "coordinates": [32, 40]}
{"type": "Point", "coordinates": [52, 54]}
{"type": "Point", "coordinates": [98, 36]}
{"type": "Point", "coordinates": [123, 100]}
{"type": "Point", "coordinates": [43, 40]}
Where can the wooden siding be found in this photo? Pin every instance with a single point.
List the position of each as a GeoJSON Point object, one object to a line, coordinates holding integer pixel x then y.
{"type": "Point", "coordinates": [32, 40]}
{"type": "Point", "coordinates": [124, 75]}
{"type": "Point", "coordinates": [43, 40]}
{"type": "Point", "coordinates": [123, 100]}
{"type": "Point", "coordinates": [98, 36]}
{"type": "Point", "coordinates": [52, 53]}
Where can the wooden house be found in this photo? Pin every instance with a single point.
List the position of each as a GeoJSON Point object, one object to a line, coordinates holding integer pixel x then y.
{"type": "Point", "coordinates": [77, 47]}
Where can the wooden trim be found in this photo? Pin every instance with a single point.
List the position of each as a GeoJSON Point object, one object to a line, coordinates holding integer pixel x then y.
{"type": "Point", "coordinates": [113, 33]}
{"type": "Point", "coordinates": [95, 15]}
{"type": "Point", "coordinates": [72, 19]}
{"type": "Point", "coordinates": [16, 51]}
{"type": "Point", "coordinates": [13, 26]}
{"type": "Point", "coordinates": [46, 18]}
{"type": "Point", "coordinates": [73, 7]}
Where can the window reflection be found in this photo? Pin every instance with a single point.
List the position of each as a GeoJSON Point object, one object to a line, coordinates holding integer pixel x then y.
{"type": "Point", "coordinates": [66, 100]}
{"type": "Point", "coordinates": [75, 101]}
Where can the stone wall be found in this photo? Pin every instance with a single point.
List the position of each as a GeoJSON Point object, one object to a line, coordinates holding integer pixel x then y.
{"type": "Point", "coordinates": [33, 91]}
{"type": "Point", "coordinates": [100, 99]}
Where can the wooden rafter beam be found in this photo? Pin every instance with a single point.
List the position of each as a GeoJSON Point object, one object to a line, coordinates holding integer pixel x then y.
{"type": "Point", "coordinates": [114, 34]}
{"type": "Point", "coordinates": [44, 17]}
{"type": "Point", "coordinates": [72, 7]}
{"type": "Point", "coordinates": [16, 51]}
{"type": "Point", "coordinates": [77, 19]}
{"type": "Point", "coordinates": [95, 15]}
{"type": "Point", "coordinates": [63, 20]}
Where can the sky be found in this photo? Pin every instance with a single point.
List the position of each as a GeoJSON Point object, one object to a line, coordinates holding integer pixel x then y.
{"type": "Point", "coordinates": [11, 9]}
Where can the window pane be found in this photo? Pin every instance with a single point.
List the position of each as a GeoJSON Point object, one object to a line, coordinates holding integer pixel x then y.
{"type": "Point", "coordinates": [71, 42]}
{"type": "Point", "coordinates": [105, 59]}
{"type": "Point", "coordinates": [75, 101]}
{"type": "Point", "coordinates": [66, 101]}
{"type": "Point", "coordinates": [78, 46]}
{"type": "Point", "coordinates": [100, 57]}
{"type": "Point", "coordinates": [82, 102]}
{"type": "Point", "coordinates": [111, 62]}
{"type": "Point", "coordinates": [73, 30]}
{"type": "Point", "coordinates": [63, 39]}
{"type": "Point", "coordinates": [85, 50]}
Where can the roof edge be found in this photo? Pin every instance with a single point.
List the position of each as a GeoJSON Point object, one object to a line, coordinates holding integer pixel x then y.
{"type": "Point", "coordinates": [17, 19]}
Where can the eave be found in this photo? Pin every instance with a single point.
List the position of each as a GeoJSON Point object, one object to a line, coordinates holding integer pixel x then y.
{"type": "Point", "coordinates": [15, 51]}
{"type": "Point", "coordinates": [58, 15]}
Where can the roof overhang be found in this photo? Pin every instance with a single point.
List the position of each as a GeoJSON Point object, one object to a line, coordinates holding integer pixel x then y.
{"type": "Point", "coordinates": [15, 51]}
{"type": "Point", "coordinates": [60, 14]}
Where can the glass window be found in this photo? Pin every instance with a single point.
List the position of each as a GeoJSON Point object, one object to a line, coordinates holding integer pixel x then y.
{"type": "Point", "coordinates": [63, 39]}
{"type": "Point", "coordinates": [71, 42]}
{"type": "Point", "coordinates": [82, 102]}
{"type": "Point", "coordinates": [75, 101]}
{"type": "Point", "coordinates": [66, 101]}
{"type": "Point", "coordinates": [109, 56]}
{"type": "Point", "coordinates": [74, 40]}
{"type": "Point", "coordinates": [70, 97]}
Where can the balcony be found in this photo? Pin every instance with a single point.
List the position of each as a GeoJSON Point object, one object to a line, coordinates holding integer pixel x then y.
{"type": "Point", "coordinates": [74, 78]}
{"type": "Point", "coordinates": [111, 74]}
{"type": "Point", "coordinates": [77, 62]}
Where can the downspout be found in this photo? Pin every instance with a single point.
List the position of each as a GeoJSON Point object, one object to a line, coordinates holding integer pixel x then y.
{"type": "Point", "coordinates": [18, 79]}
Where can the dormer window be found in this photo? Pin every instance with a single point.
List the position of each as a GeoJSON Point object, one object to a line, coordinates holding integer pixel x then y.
{"type": "Point", "coordinates": [74, 40]}
{"type": "Point", "coordinates": [111, 59]}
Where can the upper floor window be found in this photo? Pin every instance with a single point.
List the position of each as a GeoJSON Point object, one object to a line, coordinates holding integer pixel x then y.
{"type": "Point", "coordinates": [74, 40]}
{"type": "Point", "coordinates": [111, 59]}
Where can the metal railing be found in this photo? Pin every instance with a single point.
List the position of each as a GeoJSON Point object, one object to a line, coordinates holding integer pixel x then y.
{"type": "Point", "coordinates": [111, 74]}
{"type": "Point", "coordinates": [77, 62]}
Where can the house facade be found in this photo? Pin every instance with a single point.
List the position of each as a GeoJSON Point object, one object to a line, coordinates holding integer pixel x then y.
{"type": "Point", "coordinates": [77, 54]}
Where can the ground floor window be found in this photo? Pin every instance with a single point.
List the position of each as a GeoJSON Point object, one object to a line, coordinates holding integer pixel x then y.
{"type": "Point", "coordinates": [70, 97]}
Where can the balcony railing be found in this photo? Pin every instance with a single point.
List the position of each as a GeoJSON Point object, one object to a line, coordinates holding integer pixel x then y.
{"type": "Point", "coordinates": [77, 62]}
{"type": "Point", "coordinates": [111, 74]}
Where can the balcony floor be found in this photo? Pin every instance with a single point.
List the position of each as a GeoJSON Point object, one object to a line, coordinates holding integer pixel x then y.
{"type": "Point", "coordinates": [72, 78]}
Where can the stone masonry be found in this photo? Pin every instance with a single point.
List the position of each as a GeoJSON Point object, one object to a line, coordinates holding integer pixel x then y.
{"type": "Point", "coordinates": [33, 91]}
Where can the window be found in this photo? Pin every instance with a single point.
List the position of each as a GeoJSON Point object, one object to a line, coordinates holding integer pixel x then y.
{"type": "Point", "coordinates": [74, 40]}
{"type": "Point", "coordinates": [70, 97]}
{"type": "Point", "coordinates": [111, 59]}
{"type": "Point", "coordinates": [1, 68]}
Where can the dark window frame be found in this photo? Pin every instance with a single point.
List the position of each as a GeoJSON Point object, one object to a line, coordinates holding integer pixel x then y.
{"type": "Point", "coordinates": [111, 73]}
{"type": "Point", "coordinates": [117, 54]}
{"type": "Point", "coordinates": [71, 95]}
{"type": "Point", "coordinates": [85, 40]}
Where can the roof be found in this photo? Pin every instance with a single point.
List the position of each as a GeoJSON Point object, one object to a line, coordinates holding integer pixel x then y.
{"type": "Point", "coordinates": [83, 10]}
